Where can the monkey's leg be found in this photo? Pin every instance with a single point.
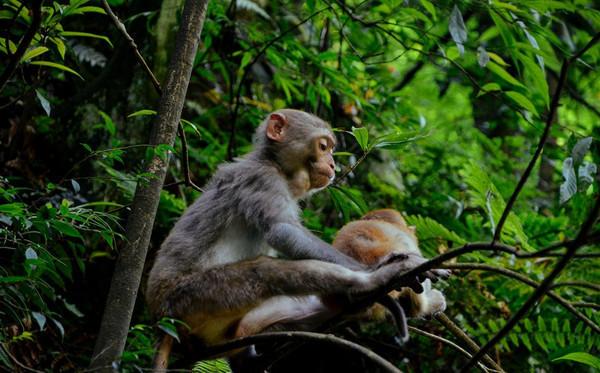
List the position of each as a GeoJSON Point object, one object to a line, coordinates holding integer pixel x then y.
{"type": "Point", "coordinates": [303, 312]}
{"type": "Point", "coordinates": [241, 286]}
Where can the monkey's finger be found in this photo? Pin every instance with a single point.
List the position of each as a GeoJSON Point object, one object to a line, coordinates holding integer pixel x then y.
{"type": "Point", "coordinates": [415, 285]}
{"type": "Point", "coordinates": [442, 273]}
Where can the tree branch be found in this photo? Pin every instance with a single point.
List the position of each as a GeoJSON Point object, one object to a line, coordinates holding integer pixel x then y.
{"type": "Point", "coordinates": [545, 285]}
{"type": "Point", "coordinates": [549, 119]}
{"type": "Point", "coordinates": [14, 60]}
{"type": "Point", "coordinates": [300, 336]}
{"type": "Point", "coordinates": [526, 280]}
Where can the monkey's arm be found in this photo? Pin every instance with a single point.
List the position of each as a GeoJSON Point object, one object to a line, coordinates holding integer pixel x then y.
{"type": "Point", "coordinates": [299, 243]}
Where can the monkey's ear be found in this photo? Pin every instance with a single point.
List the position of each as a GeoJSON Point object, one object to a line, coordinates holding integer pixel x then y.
{"type": "Point", "coordinates": [276, 126]}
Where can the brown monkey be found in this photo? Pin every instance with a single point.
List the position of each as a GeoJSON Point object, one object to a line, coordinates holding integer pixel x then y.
{"type": "Point", "coordinates": [211, 270]}
{"type": "Point", "coordinates": [370, 240]}
{"type": "Point", "coordinates": [377, 235]}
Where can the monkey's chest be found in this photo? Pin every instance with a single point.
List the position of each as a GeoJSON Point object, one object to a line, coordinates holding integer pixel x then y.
{"type": "Point", "coordinates": [238, 242]}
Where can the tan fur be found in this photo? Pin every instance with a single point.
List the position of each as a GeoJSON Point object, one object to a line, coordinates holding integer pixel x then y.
{"type": "Point", "coordinates": [371, 240]}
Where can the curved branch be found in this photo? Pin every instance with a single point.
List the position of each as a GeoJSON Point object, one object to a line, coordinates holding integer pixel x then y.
{"type": "Point", "coordinates": [383, 364]}
{"type": "Point", "coordinates": [580, 284]}
{"type": "Point", "coordinates": [36, 21]}
{"type": "Point", "coordinates": [595, 306]}
{"type": "Point", "coordinates": [526, 280]}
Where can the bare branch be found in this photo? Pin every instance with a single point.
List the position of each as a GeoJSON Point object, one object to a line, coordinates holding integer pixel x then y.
{"type": "Point", "coordinates": [121, 27]}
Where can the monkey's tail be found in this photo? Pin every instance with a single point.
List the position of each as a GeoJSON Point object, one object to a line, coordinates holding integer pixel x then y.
{"type": "Point", "coordinates": [161, 359]}
{"type": "Point", "coordinates": [399, 316]}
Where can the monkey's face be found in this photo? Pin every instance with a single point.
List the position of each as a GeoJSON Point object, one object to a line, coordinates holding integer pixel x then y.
{"type": "Point", "coordinates": [321, 166]}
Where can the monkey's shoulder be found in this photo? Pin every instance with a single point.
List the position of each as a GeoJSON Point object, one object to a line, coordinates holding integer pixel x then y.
{"type": "Point", "coordinates": [247, 173]}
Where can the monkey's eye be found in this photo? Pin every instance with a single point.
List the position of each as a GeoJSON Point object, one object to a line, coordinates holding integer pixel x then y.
{"type": "Point", "coordinates": [323, 145]}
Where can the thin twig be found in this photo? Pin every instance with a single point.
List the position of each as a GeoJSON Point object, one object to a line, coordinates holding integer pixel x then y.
{"type": "Point", "coordinates": [538, 151]}
{"type": "Point", "coordinates": [449, 343]}
{"type": "Point", "coordinates": [543, 287]}
{"type": "Point", "coordinates": [580, 284]}
{"type": "Point", "coordinates": [121, 27]}
{"type": "Point", "coordinates": [133, 46]}
{"type": "Point", "coordinates": [14, 60]}
{"type": "Point", "coordinates": [595, 306]}
{"type": "Point", "coordinates": [526, 280]}
{"type": "Point", "coordinates": [300, 336]}
{"type": "Point", "coordinates": [186, 160]}
{"type": "Point", "coordinates": [443, 319]}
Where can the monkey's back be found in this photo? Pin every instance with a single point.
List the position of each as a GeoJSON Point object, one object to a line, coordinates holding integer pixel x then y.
{"type": "Point", "coordinates": [220, 223]}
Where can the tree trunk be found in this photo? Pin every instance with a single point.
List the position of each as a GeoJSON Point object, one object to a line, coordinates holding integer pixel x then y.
{"type": "Point", "coordinates": [128, 269]}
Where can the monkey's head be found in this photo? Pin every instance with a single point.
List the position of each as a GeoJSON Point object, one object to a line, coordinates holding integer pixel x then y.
{"type": "Point", "coordinates": [302, 146]}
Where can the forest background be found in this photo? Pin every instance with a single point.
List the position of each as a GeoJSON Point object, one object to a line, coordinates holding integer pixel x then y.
{"type": "Point", "coordinates": [477, 119]}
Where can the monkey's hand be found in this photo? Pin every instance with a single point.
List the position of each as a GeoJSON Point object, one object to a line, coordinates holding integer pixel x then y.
{"type": "Point", "coordinates": [411, 261]}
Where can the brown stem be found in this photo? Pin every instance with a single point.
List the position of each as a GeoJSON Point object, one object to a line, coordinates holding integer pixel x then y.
{"type": "Point", "coordinates": [36, 21]}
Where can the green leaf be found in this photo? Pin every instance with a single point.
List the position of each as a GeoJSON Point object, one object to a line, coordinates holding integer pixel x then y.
{"type": "Point", "coordinates": [581, 357]}
{"type": "Point", "coordinates": [12, 279]}
{"type": "Point", "coordinates": [142, 112]}
{"type": "Point", "coordinates": [580, 148]}
{"type": "Point", "coordinates": [246, 58]}
{"type": "Point", "coordinates": [569, 187]}
{"type": "Point", "coordinates": [56, 66]}
{"type": "Point", "coordinates": [496, 58]}
{"type": "Point", "coordinates": [429, 7]}
{"type": "Point", "coordinates": [361, 134]}
{"type": "Point", "coordinates": [503, 74]}
{"type": "Point", "coordinates": [522, 101]}
{"type": "Point", "coordinates": [34, 52]}
{"type": "Point", "coordinates": [39, 318]}
{"type": "Point", "coordinates": [86, 35]}
{"type": "Point", "coordinates": [170, 329]}
{"type": "Point", "coordinates": [489, 87]}
{"type": "Point", "coordinates": [43, 101]}
{"type": "Point", "coordinates": [394, 141]}
{"type": "Point", "coordinates": [457, 29]}
{"type": "Point", "coordinates": [65, 228]}
{"type": "Point", "coordinates": [60, 46]}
